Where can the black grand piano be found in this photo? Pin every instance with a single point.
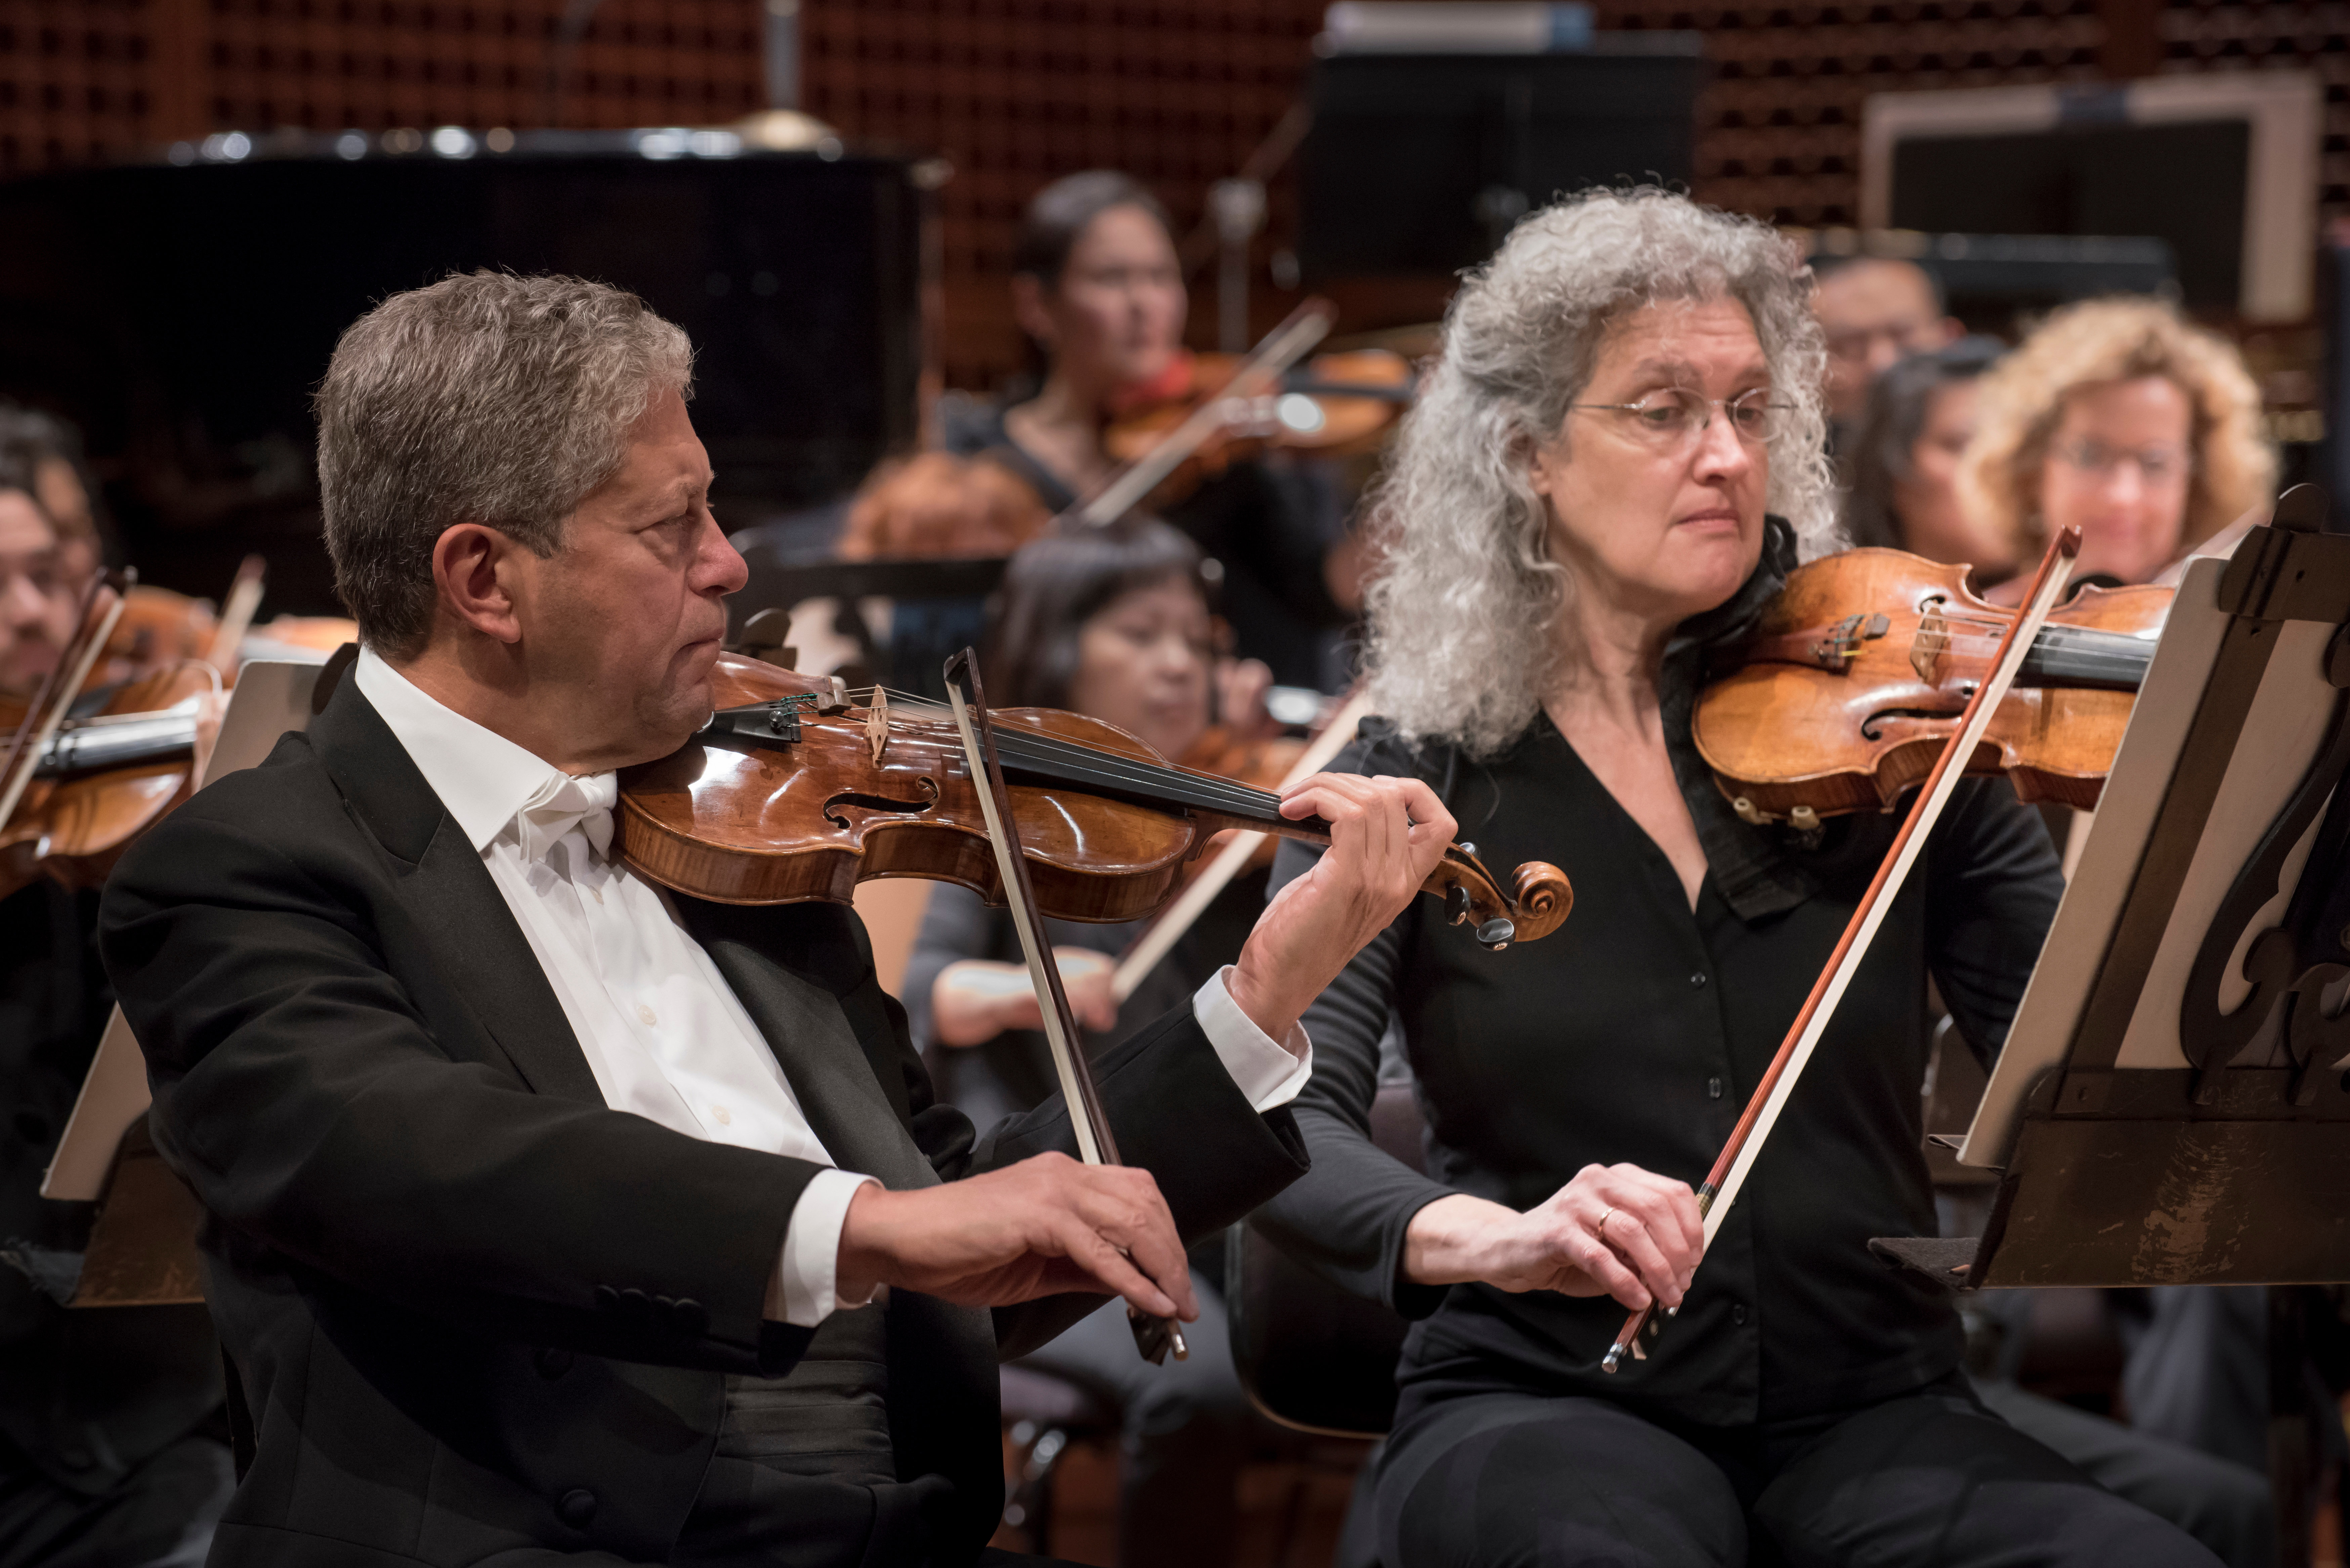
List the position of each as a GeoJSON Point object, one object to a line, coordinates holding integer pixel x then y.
{"type": "Point", "coordinates": [179, 312]}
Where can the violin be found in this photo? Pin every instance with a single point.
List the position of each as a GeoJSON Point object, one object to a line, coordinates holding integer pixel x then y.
{"type": "Point", "coordinates": [75, 792]}
{"type": "Point", "coordinates": [793, 791]}
{"type": "Point", "coordinates": [1333, 405]}
{"type": "Point", "coordinates": [1845, 690]}
{"type": "Point", "coordinates": [1177, 418]}
{"type": "Point", "coordinates": [158, 628]}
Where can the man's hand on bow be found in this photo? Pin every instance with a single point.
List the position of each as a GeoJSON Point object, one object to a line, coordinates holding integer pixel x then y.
{"type": "Point", "coordinates": [1044, 1226]}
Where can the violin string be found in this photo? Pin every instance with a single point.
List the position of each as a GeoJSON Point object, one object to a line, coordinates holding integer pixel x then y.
{"type": "Point", "coordinates": [1993, 627]}
{"type": "Point", "coordinates": [1132, 770]}
{"type": "Point", "coordinates": [1209, 793]}
{"type": "Point", "coordinates": [2073, 638]}
{"type": "Point", "coordinates": [1205, 791]}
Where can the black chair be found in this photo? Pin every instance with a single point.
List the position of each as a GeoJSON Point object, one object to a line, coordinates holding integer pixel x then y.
{"type": "Point", "coordinates": [1312, 1357]}
{"type": "Point", "coordinates": [1043, 1415]}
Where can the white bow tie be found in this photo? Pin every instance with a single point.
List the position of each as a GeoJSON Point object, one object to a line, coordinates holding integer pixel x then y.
{"type": "Point", "coordinates": [563, 804]}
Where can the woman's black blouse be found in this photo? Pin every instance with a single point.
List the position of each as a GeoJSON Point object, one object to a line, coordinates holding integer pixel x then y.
{"type": "Point", "coordinates": [1635, 1033]}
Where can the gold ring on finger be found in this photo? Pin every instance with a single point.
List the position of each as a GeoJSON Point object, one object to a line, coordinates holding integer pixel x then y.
{"type": "Point", "coordinates": [1600, 1230]}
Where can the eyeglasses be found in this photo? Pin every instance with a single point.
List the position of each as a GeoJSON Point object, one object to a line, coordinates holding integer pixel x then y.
{"type": "Point", "coordinates": [2154, 464]}
{"type": "Point", "coordinates": [1673, 417]}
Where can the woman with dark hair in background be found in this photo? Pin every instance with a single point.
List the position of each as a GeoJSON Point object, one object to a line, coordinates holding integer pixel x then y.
{"type": "Point", "coordinates": [1113, 623]}
{"type": "Point", "coordinates": [111, 1448]}
{"type": "Point", "coordinates": [1098, 288]}
{"type": "Point", "coordinates": [1905, 455]}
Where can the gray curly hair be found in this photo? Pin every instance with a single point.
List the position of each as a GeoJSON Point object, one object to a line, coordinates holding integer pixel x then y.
{"type": "Point", "coordinates": [1462, 642]}
{"type": "Point", "coordinates": [484, 398]}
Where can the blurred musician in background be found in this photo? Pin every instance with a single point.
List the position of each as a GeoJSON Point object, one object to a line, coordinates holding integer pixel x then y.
{"type": "Point", "coordinates": [47, 452]}
{"type": "Point", "coordinates": [1873, 311]}
{"type": "Point", "coordinates": [37, 593]}
{"type": "Point", "coordinates": [1113, 623]}
{"type": "Point", "coordinates": [1610, 470]}
{"type": "Point", "coordinates": [2123, 419]}
{"type": "Point", "coordinates": [110, 1450]}
{"type": "Point", "coordinates": [1904, 460]}
{"type": "Point", "coordinates": [1099, 290]}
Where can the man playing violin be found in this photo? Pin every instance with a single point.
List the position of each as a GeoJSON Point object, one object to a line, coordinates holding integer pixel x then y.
{"type": "Point", "coordinates": [551, 1214]}
{"type": "Point", "coordinates": [1612, 466]}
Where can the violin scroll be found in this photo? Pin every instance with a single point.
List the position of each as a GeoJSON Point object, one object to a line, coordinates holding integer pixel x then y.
{"type": "Point", "coordinates": [1539, 899]}
{"type": "Point", "coordinates": [1544, 899]}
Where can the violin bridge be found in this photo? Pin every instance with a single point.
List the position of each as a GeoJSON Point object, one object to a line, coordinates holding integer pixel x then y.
{"type": "Point", "coordinates": [1931, 642]}
{"type": "Point", "coordinates": [877, 724]}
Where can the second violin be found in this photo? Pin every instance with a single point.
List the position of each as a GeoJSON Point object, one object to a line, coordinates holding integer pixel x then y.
{"type": "Point", "coordinates": [1843, 694]}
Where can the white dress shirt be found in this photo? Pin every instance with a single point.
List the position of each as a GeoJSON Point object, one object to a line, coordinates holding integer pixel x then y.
{"type": "Point", "coordinates": [661, 1030]}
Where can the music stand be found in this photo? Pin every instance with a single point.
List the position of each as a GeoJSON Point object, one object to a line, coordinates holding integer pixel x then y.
{"type": "Point", "coordinates": [142, 1243]}
{"type": "Point", "coordinates": [2170, 1106]}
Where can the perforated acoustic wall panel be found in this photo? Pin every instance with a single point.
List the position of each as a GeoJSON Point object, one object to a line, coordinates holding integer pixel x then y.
{"type": "Point", "coordinates": [1015, 92]}
{"type": "Point", "coordinates": [87, 79]}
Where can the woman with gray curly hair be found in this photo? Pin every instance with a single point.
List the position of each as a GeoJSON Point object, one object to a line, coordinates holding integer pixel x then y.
{"type": "Point", "coordinates": [1613, 463]}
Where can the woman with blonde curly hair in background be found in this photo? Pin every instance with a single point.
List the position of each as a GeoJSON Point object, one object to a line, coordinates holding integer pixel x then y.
{"type": "Point", "coordinates": [2122, 419]}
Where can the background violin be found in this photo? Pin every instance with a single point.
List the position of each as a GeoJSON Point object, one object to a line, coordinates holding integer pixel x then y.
{"type": "Point", "coordinates": [793, 791]}
{"type": "Point", "coordinates": [1859, 670]}
{"type": "Point", "coordinates": [105, 778]}
{"type": "Point", "coordinates": [159, 627]}
{"type": "Point", "coordinates": [1333, 405]}
{"type": "Point", "coordinates": [75, 792]}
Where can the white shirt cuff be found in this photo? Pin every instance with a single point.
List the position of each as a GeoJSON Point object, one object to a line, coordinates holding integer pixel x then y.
{"type": "Point", "coordinates": [807, 1274]}
{"type": "Point", "coordinates": [1269, 1074]}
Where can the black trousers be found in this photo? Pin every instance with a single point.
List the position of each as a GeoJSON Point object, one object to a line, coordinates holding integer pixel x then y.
{"type": "Point", "coordinates": [1495, 1477]}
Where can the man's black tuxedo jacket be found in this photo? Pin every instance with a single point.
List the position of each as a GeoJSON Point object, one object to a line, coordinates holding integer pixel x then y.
{"type": "Point", "coordinates": [477, 1315]}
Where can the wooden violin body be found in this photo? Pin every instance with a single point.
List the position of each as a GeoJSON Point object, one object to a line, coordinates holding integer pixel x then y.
{"type": "Point", "coordinates": [1845, 691]}
{"type": "Point", "coordinates": [834, 794]}
{"type": "Point", "coordinates": [159, 628]}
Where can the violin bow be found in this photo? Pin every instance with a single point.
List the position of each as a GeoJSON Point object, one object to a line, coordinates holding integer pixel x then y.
{"type": "Point", "coordinates": [1723, 1183]}
{"type": "Point", "coordinates": [1281, 348]}
{"type": "Point", "coordinates": [236, 616]}
{"type": "Point", "coordinates": [101, 607]}
{"type": "Point", "coordinates": [1157, 942]}
{"type": "Point", "coordinates": [1153, 1336]}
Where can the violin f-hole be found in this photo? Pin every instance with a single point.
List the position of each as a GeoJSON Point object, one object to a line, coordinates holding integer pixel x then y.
{"type": "Point", "coordinates": [881, 804]}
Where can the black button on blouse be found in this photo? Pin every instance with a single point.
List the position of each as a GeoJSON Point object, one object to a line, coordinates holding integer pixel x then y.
{"type": "Point", "coordinates": [1613, 1040]}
